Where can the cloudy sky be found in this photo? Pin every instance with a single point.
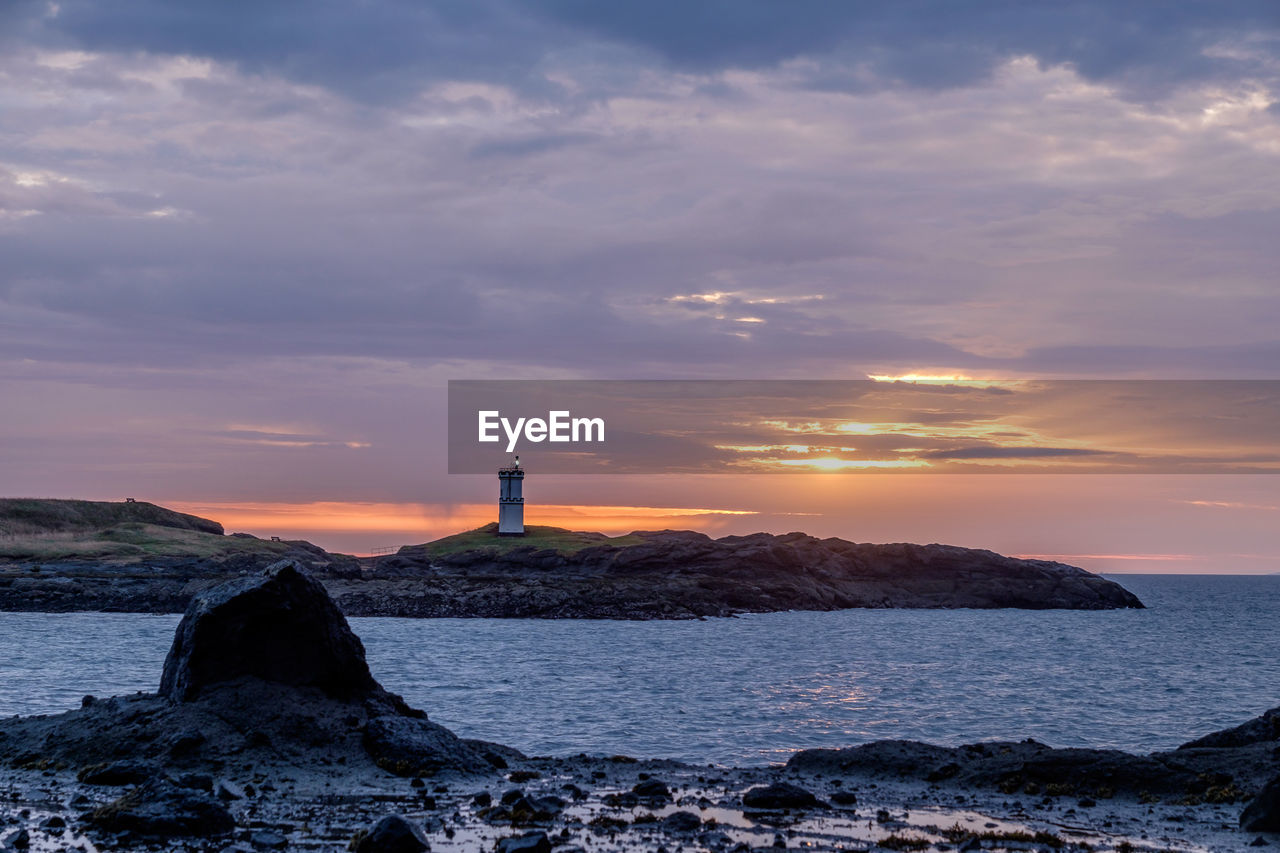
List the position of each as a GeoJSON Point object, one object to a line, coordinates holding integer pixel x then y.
{"type": "Point", "coordinates": [243, 246]}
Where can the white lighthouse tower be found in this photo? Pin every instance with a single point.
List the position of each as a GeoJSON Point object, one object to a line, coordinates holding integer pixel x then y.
{"type": "Point", "coordinates": [511, 500]}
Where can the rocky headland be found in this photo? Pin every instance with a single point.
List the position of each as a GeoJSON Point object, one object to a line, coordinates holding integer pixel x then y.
{"type": "Point", "coordinates": [156, 561]}
{"type": "Point", "coordinates": [269, 732]}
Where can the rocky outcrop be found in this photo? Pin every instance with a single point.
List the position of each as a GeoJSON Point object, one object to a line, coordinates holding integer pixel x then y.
{"type": "Point", "coordinates": [263, 671]}
{"type": "Point", "coordinates": [1261, 729]}
{"type": "Point", "coordinates": [278, 626]}
{"type": "Point", "coordinates": [682, 574]}
{"type": "Point", "coordinates": [1236, 769]}
{"type": "Point", "coordinates": [561, 574]}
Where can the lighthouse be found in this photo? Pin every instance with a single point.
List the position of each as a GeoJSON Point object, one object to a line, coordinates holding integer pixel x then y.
{"type": "Point", "coordinates": [511, 500]}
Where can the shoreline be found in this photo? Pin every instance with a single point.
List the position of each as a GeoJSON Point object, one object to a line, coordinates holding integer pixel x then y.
{"type": "Point", "coordinates": [269, 732]}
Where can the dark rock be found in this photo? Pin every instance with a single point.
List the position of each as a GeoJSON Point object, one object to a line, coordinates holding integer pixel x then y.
{"type": "Point", "coordinates": [652, 789]}
{"type": "Point", "coordinates": [1263, 814]}
{"type": "Point", "coordinates": [715, 839]}
{"type": "Point", "coordinates": [127, 772]}
{"type": "Point", "coordinates": [394, 834]}
{"type": "Point", "coordinates": [682, 822]}
{"type": "Point", "coordinates": [229, 791]}
{"type": "Point", "coordinates": [268, 839]}
{"type": "Point", "coordinates": [413, 746]}
{"type": "Point", "coordinates": [199, 781]}
{"type": "Point", "coordinates": [482, 799]}
{"type": "Point", "coordinates": [53, 822]}
{"type": "Point", "coordinates": [1009, 766]}
{"type": "Point", "coordinates": [624, 800]}
{"type": "Point", "coordinates": [779, 795]}
{"type": "Point", "coordinates": [186, 742]}
{"type": "Point", "coordinates": [1259, 842]}
{"type": "Point", "coordinates": [844, 798]}
{"type": "Point", "coordinates": [536, 808]}
{"type": "Point", "coordinates": [160, 808]}
{"type": "Point", "coordinates": [531, 842]}
{"type": "Point", "coordinates": [1258, 730]}
{"type": "Point", "coordinates": [278, 626]}
{"type": "Point", "coordinates": [19, 840]}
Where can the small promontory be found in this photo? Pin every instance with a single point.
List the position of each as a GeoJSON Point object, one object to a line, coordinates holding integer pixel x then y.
{"type": "Point", "coordinates": [135, 556]}
{"type": "Point", "coordinates": [555, 573]}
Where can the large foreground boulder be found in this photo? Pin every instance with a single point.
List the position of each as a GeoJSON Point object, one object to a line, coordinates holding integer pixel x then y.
{"type": "Point", "coordinates": [279, 626]}
{"type": "Point", "coordinates": [264, 672]}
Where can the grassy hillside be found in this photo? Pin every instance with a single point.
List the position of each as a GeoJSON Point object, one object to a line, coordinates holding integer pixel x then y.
{"type": "Point", "coordinates": [535, 536]}
{"type": "Point", "coordinates": [131, 540]}
{"type": "Point", "coordinates": [46, 530]}
{"type": "Point", "coordinates": [20, 516]}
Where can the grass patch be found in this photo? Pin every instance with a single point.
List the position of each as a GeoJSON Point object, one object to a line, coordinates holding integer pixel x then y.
{"type": "Point", "coordinates": [535, 536]}
{"type": "Point", "coordinates": [958, 834]}
{"type": "Point", "coordinates": [25, 516]}
{"type": "Point", "coordinates": [130, 540]}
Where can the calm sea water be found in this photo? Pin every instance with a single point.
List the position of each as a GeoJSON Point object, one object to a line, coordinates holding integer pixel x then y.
{"type": "Point", "coordinates": [1203, 656]}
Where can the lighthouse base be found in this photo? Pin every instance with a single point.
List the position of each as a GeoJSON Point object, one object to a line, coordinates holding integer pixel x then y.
{"type": "Point", "coordinates": [511, 519]}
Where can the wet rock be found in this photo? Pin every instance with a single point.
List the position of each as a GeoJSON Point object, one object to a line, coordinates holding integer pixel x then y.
{"type": "Point", "coordinates": [1263, 814]}
{"type": "Point", "coordinates": [268, 839]}
{"type": "Point", "coordinates": [682, 822]}
{"type": "Point", "coordinates": [844, 798]}
{"type": "Point", "coordinates": [715, 839]}
{"type": "Point", "coordinates": [19, 840]}
{"type": "Point", "coordinates": [199, 781]}
{"type": "Point", "coordinates": [413, 746]}
{"type": "Point", "coordinates": [126, 772]}
{"type": "Point", "coordinates": [652, 789]}
{"type": "Point", "coordinates": [536, 808]}
{"type": "Point", "coordinates": [779, 795]}
{"type": "Point", "coordinates": [531, 842]}
{"type": "Point", "coordinates": [279, 626]}
{"type": "Point", "coordinates": [160, 808]}
{"type": "Point", "coordinates": [229, 791]}
{"type": "Point", "coordinates": [394, 834]}
{"type": "Point", "coordinates": [186, 742]}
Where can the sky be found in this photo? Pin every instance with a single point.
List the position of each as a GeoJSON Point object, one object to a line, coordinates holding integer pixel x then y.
{"type": "Point", "coordinates": [244, 246]}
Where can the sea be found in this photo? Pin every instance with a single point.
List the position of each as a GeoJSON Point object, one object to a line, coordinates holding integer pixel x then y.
{"type": "Point", "coordinates": [1203, 655]}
